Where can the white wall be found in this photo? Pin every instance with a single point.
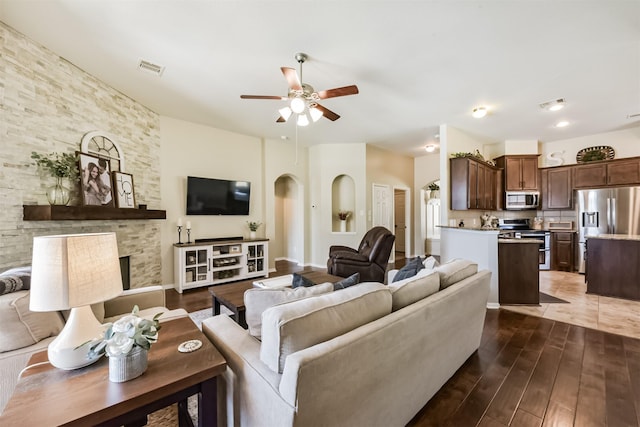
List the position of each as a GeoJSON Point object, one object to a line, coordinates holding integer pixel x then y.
{"type": "Point", "coordinates": [426, 169]}
{"type": "Point", "coordinates": [189, 149]}
{"type": "Point", "coordinates": [626, 143]}
{"type": "Point", "coordinates": [327, 161]}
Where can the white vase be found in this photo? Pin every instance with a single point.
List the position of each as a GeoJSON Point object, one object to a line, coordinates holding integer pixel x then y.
{"type": "Point", "coordinates": [343, 225]}
{"type": "Point", "coordinates": [129, 366]}
{"type": "Point", "coordinates": [252, 234]}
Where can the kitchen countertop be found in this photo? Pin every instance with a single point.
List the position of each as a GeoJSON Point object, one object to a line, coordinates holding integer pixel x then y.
{"type": "Point", "coordinates": [615, 237]}
{"type": "Point", "coordinates": [469, 228]}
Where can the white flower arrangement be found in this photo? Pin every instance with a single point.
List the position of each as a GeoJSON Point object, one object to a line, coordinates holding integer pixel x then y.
{"type": "Point", "coordinates": [126, 333]}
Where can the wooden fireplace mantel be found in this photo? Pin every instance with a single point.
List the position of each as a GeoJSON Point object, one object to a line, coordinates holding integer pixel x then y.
{"type": "Point", "coordinates": [64, 213]}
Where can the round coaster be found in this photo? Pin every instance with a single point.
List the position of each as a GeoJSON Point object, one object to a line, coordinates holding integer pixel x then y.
{"type": "Point", "coordinates": [189, 346]}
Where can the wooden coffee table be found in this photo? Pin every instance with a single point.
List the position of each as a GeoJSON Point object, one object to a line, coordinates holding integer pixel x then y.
{"type": "Point", "coordinates": [47, 396]}
{"type": "Point", "coordinates": [232, 295]}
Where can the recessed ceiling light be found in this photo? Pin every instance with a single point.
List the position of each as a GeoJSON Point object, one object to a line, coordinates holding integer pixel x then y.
{"type": "Point", "coordinates": [430, 148]}
{"type": "Point", "coordinates": [554, 105]}
{"type": "Point", "coordinates": [562, 124]}
{"type": "Point", "coordinates": [479, 112]}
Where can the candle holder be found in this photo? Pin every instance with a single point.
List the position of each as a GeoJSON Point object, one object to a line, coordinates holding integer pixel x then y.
{"type": "Point", "coordinates": [188, 235]}
{"type": "Point", "coordinates": [179, 233]}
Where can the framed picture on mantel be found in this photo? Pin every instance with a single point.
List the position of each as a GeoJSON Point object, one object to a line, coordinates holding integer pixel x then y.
{"type": "Point", "coordinates": [96, 185]}
{"type": "Point", "coordinates": [123, 190]}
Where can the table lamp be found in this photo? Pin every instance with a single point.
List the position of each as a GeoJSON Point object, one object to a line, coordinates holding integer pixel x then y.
{"type": "Point", "coordinates": [72, 272]}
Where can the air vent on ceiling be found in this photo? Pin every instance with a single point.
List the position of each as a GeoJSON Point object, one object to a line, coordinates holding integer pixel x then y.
{"type": "Point", "coordinates": [633, 116]}
{"type": "Point", "coordinates": [150, 67]}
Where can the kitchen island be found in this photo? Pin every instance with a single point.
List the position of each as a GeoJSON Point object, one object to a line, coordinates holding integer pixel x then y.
{"type": "Point", "coordinates": [519, 274]}
{"type": "Point", "coordinates": [481, 246]}
{"type": "Point", "coordinates": [612, 266]}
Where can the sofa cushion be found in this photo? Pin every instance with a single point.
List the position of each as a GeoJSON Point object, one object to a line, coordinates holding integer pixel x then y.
{"type": "Point", "coordinates": [22, 327]}
{"type": "Point", "coordinates": [291, 327]}
{"type": "Point", "coordinates": [300, 280]}
{"type": "Point", "coordinates": [410, 269]}
{"type": "Point", "coordinates": [16, 279]}
{"type": "Point", "coordinates": [258, 300]}
{"type": "Point", "coordinates": [354, 279]}
{"type": "Point", "coordinates": [413, 289]}
{"type": "Point", "coordinates": [455, 271]}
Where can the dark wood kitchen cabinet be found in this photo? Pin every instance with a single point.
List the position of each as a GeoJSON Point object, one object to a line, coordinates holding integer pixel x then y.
{"type": "Point", "coordinates": [518, 271]}
{"type": "Point", "coordinates": [556, 185]}
{"type": "Point", "coordinates": [473, 184]}
{"type": "Point", "coordinates": [612, 267]}
{"type": "Point", "coordinates": [520, 172]}
{"type": "Point", "coordinates": [562, 250]}
{"type": "Point", "coordinates": [590, 175]}
{"type": "Point", "coordinates": [623, 172]}
{"type": "Point", "coordinates": [607, 173]}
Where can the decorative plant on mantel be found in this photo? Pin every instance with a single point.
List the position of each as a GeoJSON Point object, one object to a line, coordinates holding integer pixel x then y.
{"type": "Point", "coordinates": [433, 186]}
{"type": "Point", "coordinates": [59, 166]}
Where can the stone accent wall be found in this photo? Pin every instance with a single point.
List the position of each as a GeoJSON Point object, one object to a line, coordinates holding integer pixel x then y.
{"type": "Point", "coordinates": [46, 105]}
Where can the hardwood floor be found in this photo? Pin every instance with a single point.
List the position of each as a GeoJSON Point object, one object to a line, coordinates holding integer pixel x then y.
{"type": "Point", "coordinates": [528, 371]}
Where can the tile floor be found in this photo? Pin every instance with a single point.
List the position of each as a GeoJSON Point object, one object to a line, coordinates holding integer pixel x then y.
{"type": "Point", "coordinates": [615, 315]}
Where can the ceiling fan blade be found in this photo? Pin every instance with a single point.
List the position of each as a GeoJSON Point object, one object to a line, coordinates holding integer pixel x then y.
{"type": "Point", "coordinates": [280, 120]}
{"type": "Point", "coordinates": [261, 97]}
{"type": "Point", "coordinates": [292, 78]}
{"type": "Point", "coordinates": [339, 91]}
{"type": "Point", "coordinates": [328, 113]}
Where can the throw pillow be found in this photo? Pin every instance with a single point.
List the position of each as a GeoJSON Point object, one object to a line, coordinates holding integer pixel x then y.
{"type": "Point", "coordinates": [409, 270]}
{"type": "Point", "coordinates": [257, 300]}
{"type": "Point", "coordinates": [22, 327]}
{"type": "Point", "coordinates": [354, 279]}
{"type": "Point", "coordinates": [430, 263]}
{"type": "Point", "coordinates": [414, 289]}
{"type": "Point", "coordinates": [299, 280]}
{"type": "Point", "coordinates": [16, 279]}
{"type": "Point", "coordinates": [455, 271]}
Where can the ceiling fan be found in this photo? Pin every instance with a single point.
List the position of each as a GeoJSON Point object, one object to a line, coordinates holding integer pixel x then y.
{"type": "Point", "coordinates": [304, 98]}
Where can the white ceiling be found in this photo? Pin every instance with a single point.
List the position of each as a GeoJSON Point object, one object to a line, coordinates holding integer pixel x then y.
{"type": "Point", "coordinates": [418, 64]}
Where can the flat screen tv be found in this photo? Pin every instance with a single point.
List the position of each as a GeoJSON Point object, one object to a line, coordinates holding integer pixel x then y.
{"type": "Point", "coordinates": [208, 196]}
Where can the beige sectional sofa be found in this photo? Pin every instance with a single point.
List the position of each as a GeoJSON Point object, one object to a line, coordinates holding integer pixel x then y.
{"type": "Point", "coordinates": [368, 355]}
{"type": "Point", "coordinates": [24, 332]}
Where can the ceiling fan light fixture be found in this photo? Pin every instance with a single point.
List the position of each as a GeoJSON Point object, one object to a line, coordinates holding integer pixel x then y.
{"type": "Point", "coordinates": [285, 113]}
{"type": "Point", "coordinates": [315, 114]}
{"type": "Point", "coordinates": [303, 120]}
{"type": "Point", "coordinates": [479, 112]}
{"type": "Point", "coordinates": [297, 105]}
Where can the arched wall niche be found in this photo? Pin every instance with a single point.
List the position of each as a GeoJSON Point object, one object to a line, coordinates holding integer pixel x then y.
{"type": "Point", "coordinates": [343, 200]}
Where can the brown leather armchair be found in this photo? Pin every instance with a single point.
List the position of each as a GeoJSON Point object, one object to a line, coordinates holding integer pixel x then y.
{"type": "Point", "coordinates": [370, 260]}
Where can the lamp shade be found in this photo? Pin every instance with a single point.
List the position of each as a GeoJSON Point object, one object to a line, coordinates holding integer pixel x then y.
{"type": "Point", "coordinates": [74, 270]}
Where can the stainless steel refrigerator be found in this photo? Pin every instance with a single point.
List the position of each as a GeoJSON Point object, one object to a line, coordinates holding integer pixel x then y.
{"type": "Point", "coordinates": [606, 211]}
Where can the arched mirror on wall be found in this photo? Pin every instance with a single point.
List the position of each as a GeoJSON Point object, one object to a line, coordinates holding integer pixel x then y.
{"type": "Point", "coordinates": [343, 204]}
{"type": "Point", "coordinates": [432, 217]}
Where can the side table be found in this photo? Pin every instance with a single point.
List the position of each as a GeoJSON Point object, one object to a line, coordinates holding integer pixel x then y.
{"type": "Point", "coordinates": [46, 395]}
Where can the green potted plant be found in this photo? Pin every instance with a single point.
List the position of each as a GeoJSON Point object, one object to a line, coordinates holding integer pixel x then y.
{"type": "Point", "coordinates": [253, 227]}
{"type": "Point", "coordinates": [435, 190]}
{"type": "Point", "coordinates": [59, 166]}
{"type": "Point", "coordinates": [126, 343]}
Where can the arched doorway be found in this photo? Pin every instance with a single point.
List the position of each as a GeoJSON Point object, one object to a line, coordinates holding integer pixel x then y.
{"type": "Point", "coordinates": [289, 219]}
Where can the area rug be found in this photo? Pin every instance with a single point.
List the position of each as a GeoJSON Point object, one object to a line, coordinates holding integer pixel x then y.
{"type": "Point", "coordinates": [550, 299]}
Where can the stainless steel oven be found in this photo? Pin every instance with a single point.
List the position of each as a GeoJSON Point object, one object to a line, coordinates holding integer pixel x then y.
{"type": "Point", "coordinates": [544, 255]}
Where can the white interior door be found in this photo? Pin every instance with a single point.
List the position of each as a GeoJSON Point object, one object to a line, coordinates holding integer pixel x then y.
{"type": "Point", "coordinates": [381, 206]}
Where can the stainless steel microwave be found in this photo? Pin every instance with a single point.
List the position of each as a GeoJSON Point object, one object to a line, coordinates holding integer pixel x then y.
{"type": "Point", "coordinates": [519, 200]}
